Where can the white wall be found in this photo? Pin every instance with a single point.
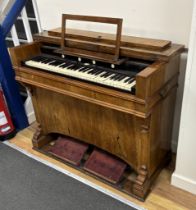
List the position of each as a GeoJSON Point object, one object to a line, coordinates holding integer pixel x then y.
{"type": "Point", "coordinates": [164, 19]}
{"type": "Point", "coordinates": [185, 173]}
{"type": "Point", "coordinates": [5, 5]}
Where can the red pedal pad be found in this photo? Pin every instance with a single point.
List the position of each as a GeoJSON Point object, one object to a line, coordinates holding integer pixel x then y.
{"type": "Point", "coordinates": [68, 149]}
{"type": "Point", "coordinates": [105, 166]}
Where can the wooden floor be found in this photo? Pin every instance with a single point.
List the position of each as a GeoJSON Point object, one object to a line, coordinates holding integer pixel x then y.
{"type": "Point", "coordinates": [163, 195]}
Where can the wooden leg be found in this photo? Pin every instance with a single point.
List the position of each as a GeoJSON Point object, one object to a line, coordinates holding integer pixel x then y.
{"type": "Point", "coordinates": [39, 139]}
{"type": "Point", "coordinates": [141, 183]}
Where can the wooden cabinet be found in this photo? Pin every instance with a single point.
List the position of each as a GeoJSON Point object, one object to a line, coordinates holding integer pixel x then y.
{"type": "Point", "coordinates": [136, 127]}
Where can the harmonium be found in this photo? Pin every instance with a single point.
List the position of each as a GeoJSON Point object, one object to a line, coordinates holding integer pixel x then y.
{"type": "Point", "coordinates": [104, 103]}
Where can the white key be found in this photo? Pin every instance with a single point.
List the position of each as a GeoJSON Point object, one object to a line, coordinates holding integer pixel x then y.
{"type": "Point", "coordinates": [129, 86]}
{"type": "Point", "coordinates": [83, 75]}
{"type": "Point", "coordinates": [108, 81]}
{"type": "Point", "coordinates": [122, 82]}
{"type": "Point", "coordinates": [100, 79]}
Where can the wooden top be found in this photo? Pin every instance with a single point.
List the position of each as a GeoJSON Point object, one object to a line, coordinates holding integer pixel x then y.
{"type": "Point", "coordinates": [126, 41]}
{"type": "Point", "coordinates": [147, 49]}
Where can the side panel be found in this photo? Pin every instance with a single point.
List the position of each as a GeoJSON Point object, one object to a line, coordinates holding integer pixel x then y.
{"type": "Point", "coordinates": [161, 130]}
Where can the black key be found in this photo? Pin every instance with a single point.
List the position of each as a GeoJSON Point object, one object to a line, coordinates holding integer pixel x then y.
{"type": "Point", "coordinates": [121, 77]}
{"type": "Point", "coordinates": [90, 71]}
{"type": "Point", "coordinates": [48, 60]}
{"type": "Point", "coordinates": [98, 72]}
{"type": "Point", "coordinates": [52, 61]}
{"type": "Point", "coordinates": [115, 77]}
{"type": "Point", "coordinates": [60, 63]}
{"type": "Point", "coordinates": [130, 81]}
{"type": "Point", "coordinates": [104, 74]}
{"type": "Point", "coordinates": [93, 72]}
{"type": "Point", "coordinates": [110, 74]}
{"type": "Point", "coordinates": [71, 66]}
{"type": "Point", "coordinates": [127, 79]}
{"type": "Point", "coordinates": [35, 59]}
{"type": "Point", "coordinates": [42, 60]}
{"type": "Point", "coordinates": [75, 68]}
{"type": "Point", "coordinates": [45, 58]}
{"type": "Point", "coordinates": [38, 58]}
{"type": "Point", "coordinates": [77, 65]}
{"type": "Point", "coordinates": [118, 76]}
{"type": "Point", "coordinates": [83, 69]}
{"type": "Point", "coordinates": [112, 77]}
{"type": "Point", "coordinates": [87, 69]}
{"type": "Point", "coordinates": [56, 63]}
{"type": "Point", "coordinates": [65, 65]}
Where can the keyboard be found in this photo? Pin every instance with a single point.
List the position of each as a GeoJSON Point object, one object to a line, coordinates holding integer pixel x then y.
{"type": "Point", "coordinates": [84, 71]}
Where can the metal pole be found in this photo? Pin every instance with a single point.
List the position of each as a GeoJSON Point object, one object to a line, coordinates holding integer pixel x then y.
{"type": "Point", "coordinates": [7, 76]}
{"type": "Point", "coordinates": [12, 15]}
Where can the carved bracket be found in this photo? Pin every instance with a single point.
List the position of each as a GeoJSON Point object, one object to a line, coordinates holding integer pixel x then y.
{"type": "Point", "coordinates": [37, 135]}
{"type": "Point", "coordinates": [139, 187]}
{"type": "Point", "coordinates": [144, 128]}
{"type": "Point", "coordinates": [40, 138]}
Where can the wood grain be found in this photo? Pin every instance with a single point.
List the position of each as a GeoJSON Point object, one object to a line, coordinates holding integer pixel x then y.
{"type": "Point", "coordinates": [126, 41]}
{"type": "Point", "coordinates": [135, 52]}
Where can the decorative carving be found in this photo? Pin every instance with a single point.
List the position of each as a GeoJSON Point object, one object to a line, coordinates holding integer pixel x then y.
{"type": "Point", "coordinates": [139, 186]}
{"type": "Point", "coordinates": [40, 138]}
{"type": "Point", "coordinates": [144, 128]}
{"type": "Point", "coordinates": [37, 136]}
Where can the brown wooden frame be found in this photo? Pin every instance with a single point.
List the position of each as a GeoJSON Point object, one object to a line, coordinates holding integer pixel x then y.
{"type": "Point", "coordinates": [116, 21]}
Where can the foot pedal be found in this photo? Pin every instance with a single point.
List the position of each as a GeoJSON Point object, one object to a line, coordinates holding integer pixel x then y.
{"type": "Point", "coordinates": [69, 149]}
{"type": "Point", "coordinates": [105, 166]}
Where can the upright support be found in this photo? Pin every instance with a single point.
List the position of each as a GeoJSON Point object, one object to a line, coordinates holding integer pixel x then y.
{"type": "Point", "coordinates": [12, 15]}
{"type": "Point", "coordinates": [10, 87]}
{"type": "Point", "coordinates": [7, 76]}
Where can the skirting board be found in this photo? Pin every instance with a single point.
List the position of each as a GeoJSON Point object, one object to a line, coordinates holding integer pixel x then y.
{"type": "Point", "coordinates": [74, 176]}
{"type": "Point", "coordinates": [183, 183]}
